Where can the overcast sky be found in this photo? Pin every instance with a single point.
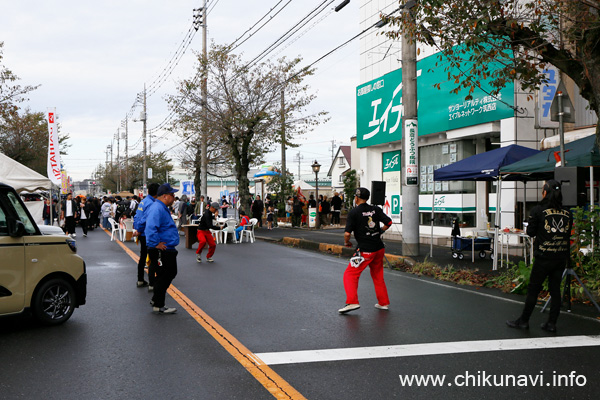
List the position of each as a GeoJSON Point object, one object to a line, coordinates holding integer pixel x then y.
{"type": "Point", "coordinates": [92, 58]}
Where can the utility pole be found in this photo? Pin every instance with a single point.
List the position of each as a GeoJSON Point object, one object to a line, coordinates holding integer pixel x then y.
{"type": "Point", "coordinates": [200, 21]}
{"type": "Point", "coordinates": [410, 140]}
{"type": "Point", "coordinates": [332, 150]}
{"type": "Point", "coordinates": [283, 161]}
{"type": "Point", "coordinates": [298, 158]}
{"type": "Point", "coordinates": [145, 165]}
{"type": "Point", "coordinates": [126, 155]}
{"type": "Point", "coordinates": [119, 158]}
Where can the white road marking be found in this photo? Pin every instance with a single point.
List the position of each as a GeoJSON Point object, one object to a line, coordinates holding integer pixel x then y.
{"type": "Point", "coordinates": [426, 349]}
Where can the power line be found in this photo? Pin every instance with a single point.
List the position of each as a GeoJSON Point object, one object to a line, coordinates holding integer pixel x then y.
{"type": "Point", "coordinates": [257, 22]}
{"type": "Point", "coordinates": [305, 20]}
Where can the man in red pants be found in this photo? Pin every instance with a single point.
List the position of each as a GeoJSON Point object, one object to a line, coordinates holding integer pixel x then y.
{"type": "Point", "coordinates": [204, 235]}
{"type": "Point", "coordinates": [364, 220]}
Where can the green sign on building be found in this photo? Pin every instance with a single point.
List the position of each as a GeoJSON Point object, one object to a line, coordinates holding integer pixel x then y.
{"type": "Point", "coordinates": [391, 161]}
{"type": "Point", "coordinates": [379, 107]}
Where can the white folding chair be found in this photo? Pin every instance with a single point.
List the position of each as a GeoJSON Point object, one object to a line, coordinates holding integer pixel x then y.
{"type": "Point", "coordinates": [115, 229]}
{"type": "Point", "coordinates": [248, 231]}
{"type": "Point", "coordinates": [217, 234]}
{"type": "Point", "coordinates": [229, 229]}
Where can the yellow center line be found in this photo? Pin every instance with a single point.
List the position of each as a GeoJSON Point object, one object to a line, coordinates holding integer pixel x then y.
{"type": "Point", "coordinates": [264, 374]}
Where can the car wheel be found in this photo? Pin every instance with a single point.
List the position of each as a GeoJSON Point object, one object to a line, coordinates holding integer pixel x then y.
{"type": "Point", "coordinates": [482, 254]}
{"type": "Point", "coordinates": [461, 256]}
{"type": "Point", "coordinates": [54, 302]}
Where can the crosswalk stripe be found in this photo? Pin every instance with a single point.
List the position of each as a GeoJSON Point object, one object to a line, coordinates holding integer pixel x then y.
{"type": "Point", "coordinates": [425, 349]}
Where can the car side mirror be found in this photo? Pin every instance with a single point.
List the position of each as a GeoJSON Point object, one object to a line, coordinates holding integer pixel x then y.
{"type": "Point", "coordinates": [16, 228]}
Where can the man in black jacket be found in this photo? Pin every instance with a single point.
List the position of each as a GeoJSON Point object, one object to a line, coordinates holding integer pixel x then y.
{"type": "Point", "coordinates": [257, 209]}
{"type": "Point", "coordinates": [550, 225]}
{"type": "Point", "coordinates": [70, 212]}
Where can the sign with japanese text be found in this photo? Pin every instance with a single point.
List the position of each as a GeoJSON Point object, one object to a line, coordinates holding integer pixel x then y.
{"type": "Point", "coordinates": [546, 94]}
{"type": "Point", "coordinates": [53, 168]}
{"type": "Point", "coordinates": [412, 152]}
{"type": "Point", "coordinates": [379, 106]}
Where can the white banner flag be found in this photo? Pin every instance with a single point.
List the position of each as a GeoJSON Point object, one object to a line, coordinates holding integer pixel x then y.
{"type": "Point", "coordinates": [53, 152]}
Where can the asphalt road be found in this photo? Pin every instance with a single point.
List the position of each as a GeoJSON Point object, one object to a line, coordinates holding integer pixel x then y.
{"type": "Point", "coordinates": [276, 301]}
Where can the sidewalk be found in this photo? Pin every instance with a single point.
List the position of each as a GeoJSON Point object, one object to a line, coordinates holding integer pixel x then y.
{"type": "Point", "coordinates": [442, 256]}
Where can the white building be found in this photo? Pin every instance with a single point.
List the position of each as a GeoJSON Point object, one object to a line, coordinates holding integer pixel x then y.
{"type": "Point", "coordinates": [342, 163]}
{"type": "Point", "coordinates": [450, 129]}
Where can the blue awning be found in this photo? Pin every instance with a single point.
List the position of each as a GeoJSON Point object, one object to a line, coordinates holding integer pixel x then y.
{"type": "Point", "coordinates": [485, 166]}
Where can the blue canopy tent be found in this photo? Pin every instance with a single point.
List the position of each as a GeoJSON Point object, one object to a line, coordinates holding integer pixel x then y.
{"type": "Point", "coordinates": [482, 167]}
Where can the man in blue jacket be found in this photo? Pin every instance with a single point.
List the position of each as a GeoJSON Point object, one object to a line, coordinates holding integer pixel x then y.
{"type": "Point", "coordinates": [139, 226]}
{"type": "Point", "coordinates": [161, 238]}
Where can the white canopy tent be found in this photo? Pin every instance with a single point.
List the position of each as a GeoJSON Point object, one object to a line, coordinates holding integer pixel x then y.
{"type": "Point", "coordinates": [20, 177]}
{"type": "Point", "coordinates": [24, 179]}
{"type": "Point", "coordinates": [303, 185]}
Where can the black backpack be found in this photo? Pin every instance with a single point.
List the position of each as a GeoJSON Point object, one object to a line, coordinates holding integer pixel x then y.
{"type": "Point", "coordinates": [121, 209]}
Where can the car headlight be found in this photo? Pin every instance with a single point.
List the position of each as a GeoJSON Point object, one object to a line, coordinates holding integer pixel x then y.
{"type": "Point", "coordinates": [72, 245]}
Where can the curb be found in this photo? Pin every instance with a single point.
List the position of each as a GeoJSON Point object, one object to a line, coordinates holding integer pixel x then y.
{"type": "Point", "coordinates": [336, 249]}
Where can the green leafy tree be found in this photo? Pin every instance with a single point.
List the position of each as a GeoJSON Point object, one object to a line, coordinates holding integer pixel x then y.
{"type": "Point", "coordinates": [159, 162]}
{"type": "Point", "coordinates": [282, 186]}
{"type": "Point", "coordinates": [243, 108]}
{"type": "Point", "coordinates": [350, 184]}
{"type": "Point", "coordinates": [520, 37]}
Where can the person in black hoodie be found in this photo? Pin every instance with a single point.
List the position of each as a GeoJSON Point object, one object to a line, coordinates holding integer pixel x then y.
{"type": "Point", "coordinates": [550, 224]}
{"type": "Point", "coordinates": [204, 234]}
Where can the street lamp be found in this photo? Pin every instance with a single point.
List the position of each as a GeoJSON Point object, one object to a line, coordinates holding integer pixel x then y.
{"type": "Point", "coordinates": [316, 167]}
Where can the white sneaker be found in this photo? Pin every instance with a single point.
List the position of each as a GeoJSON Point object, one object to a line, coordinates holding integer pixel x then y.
{"type": "Point", "coordinates": [74, 235]}
{"type": "Point", "coordinates": [199, 258]}
{"type": "Point", "coordinates": [385, 308]}
{"type": "Point", "coordinates": [164, 310]}
{"type": "Point", "coordinates": [348, 308]}
{"type": "Point", "coordinates": [150, 289]}
{"type": "Point", "coordinates": [85, 235]}
{"type": "Point", "coordinates": [210, 260]}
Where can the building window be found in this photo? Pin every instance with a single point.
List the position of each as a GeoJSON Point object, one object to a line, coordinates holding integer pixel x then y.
{"type": "Point", "coordinates": [341, 163]}
{"type": "Point", "coordinates": [440, 155]}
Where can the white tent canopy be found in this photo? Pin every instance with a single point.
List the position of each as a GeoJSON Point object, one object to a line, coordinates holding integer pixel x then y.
{"type": "Point", "coordinates": [24, 179]}
{"type": "Point", "coordinates": [20, 177]}
{"type": "Point", "coordinates": [303, 185]}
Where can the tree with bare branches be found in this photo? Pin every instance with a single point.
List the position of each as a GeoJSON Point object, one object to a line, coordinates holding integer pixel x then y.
{"type": "Point", "coordinates": [243, 111]}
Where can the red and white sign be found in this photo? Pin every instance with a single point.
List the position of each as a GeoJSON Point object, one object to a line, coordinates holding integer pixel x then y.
{"type": "Point", "coordinates": [54, 173]}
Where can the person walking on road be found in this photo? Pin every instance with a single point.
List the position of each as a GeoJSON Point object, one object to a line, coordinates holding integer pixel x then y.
{"type": "Point", "coordinates": [204, 234]}
{"type": "Point", "coordinates": [86, 214]}
{"type": "Point", "coordinates": [364, 220]}
{"type": "Point", "coordinates": [139, 228]}
{"type": "Point", "coordinates": [257, 210]}
{"type": "Point", "coordinates": [162, 237]}
{"type": "Point", "coordinates": [224, 206]}
{"type": "Point", "coordinates": [336, 205]}
{"type": "Point", "coordinates": [70, 211]}
{"type": "Point", "coordinates": [550, 224]}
